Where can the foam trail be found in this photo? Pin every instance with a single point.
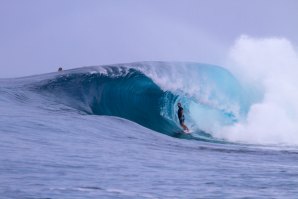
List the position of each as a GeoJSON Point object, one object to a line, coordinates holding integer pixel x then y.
{"type": "Point", "coordinates": [271, 65]}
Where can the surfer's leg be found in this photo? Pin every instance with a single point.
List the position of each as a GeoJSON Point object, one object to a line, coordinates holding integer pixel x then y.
{"type": "Point", "coordinates": [184, 126]}
{"type": "Point", "coordinates": [181, 121]}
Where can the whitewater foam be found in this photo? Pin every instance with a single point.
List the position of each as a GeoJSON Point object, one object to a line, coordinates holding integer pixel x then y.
{"type": "Point", "coordinates": [271, 66]}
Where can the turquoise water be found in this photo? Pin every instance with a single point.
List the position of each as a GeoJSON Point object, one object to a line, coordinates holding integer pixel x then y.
{"type": "Point", "coordinates": [112, 132]}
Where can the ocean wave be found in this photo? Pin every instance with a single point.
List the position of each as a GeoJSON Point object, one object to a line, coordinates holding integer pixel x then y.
{"type": "Point", "coordinates": [147, 93]}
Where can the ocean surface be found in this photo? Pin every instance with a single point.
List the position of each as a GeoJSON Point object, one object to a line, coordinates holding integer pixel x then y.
{"type": "Point", "coordinates": [112, 132]}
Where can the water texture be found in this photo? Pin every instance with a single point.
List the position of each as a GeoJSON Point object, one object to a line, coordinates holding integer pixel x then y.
{"type": "Point", "coordinates": [112, 132]}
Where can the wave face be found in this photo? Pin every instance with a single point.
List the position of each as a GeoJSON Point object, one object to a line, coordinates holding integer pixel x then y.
{"type": "Point", "coordinates": [119, 91]}
{"type": "Point", "coordinates": [147, 93]}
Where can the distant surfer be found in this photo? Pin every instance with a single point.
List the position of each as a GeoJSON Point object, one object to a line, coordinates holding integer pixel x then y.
{"type": "Point", "coordinates": [181, 117]}
{"type": "Point", "coordinates": [60, 69]}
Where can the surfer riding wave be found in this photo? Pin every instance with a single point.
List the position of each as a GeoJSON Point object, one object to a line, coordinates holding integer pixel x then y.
{"type": "Point", "coordinates": [181, 117]}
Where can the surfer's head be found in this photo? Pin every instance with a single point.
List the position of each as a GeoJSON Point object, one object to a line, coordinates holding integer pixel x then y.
{"type": "Point", "coordinates": [179, 104]}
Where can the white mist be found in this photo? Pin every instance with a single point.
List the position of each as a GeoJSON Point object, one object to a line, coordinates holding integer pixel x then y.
{"type": "Point", "coordinates": [271, 65]}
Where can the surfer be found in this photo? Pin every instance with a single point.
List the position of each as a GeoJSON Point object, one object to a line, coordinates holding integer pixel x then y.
{"type": "Point", "coordinates": [60, 69]}
{"type": "Point", "coordinates": [181, 117]}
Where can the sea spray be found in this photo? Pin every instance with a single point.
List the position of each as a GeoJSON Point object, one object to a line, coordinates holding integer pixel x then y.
{"type": "Point", "coordinates": [271, 66]}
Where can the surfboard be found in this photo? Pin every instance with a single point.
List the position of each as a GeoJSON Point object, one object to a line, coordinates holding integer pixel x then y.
{"type": "Point", "coordinates": [186, 132]}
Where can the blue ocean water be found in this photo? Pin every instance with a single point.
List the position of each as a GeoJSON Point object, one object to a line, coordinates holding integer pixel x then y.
{"type": "Point", "coordinates": [112, 132]}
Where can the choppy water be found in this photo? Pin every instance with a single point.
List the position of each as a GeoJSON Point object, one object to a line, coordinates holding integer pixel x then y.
{"type": "Point", "coordinates": [112, 132]}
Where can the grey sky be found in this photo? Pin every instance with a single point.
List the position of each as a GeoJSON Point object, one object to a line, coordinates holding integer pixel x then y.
{"type": "Point", "coordinates": [38, 36]}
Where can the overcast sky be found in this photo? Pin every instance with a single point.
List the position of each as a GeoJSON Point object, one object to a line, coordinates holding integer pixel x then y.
{"type": "Point", "coordinates": [38, 36]}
